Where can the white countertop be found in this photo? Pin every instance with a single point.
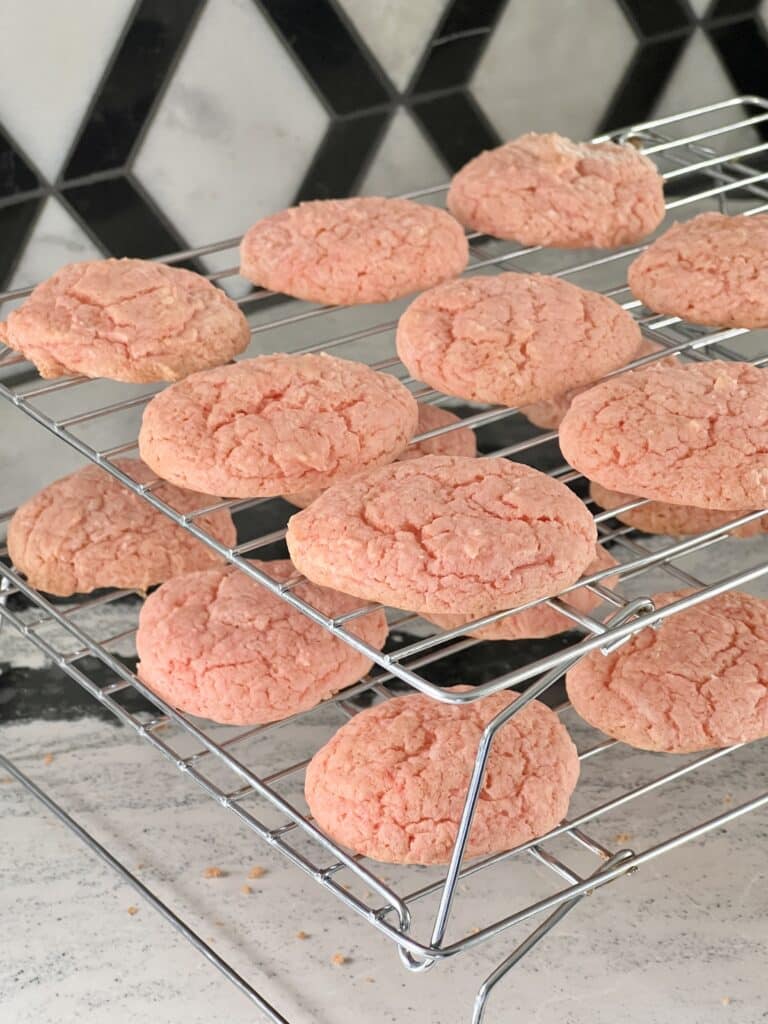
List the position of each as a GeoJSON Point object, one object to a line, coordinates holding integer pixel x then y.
{"type": "Point", "coordinates": [684, 941]}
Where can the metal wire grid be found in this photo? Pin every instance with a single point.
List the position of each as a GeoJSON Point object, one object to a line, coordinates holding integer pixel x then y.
{"type": "Point", "coordinates": [249, 794]}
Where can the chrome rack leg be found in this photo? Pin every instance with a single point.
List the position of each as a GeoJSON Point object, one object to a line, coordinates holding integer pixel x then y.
{"type": "Point", "coordinates": [269, 1012]}
{"type": "Point", "coordinates": [546, 926]}
{"type": "Point", "coordinates": [638, 606]}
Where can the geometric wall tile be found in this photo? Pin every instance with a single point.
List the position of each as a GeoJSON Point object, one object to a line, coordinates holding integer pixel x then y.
{"type": "Point", "coordinates": [396, 31]}
{"type": "Point", "coordinates": [205, 158]}
{"type": "Point", "coordinates": [56, 239]}
{"type": "Point", "coordinates": [404, 161]}
{"type": "Point", "coordinates": [698, 78]}
{"type": "Point", "coordinates": [554, 75]}
{"type": "Point", "coordinates": [53, 57]}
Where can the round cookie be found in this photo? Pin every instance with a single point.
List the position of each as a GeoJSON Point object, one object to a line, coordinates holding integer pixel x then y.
{"type": "Point", "coordinates": [699, 681]}
{"type": "Point", "coordinates": [391, 783]}
{"type": "Point", "coordinates": [431, 417]}
{"type": "Point", "coordinates": [691, 434]}
{"type": "Point", "coordinates": [672, 520]}
{"type": "Point", "coordinates": [127, 320]}
{"type": "Point", "coordinates": [548, 414]}
{"type": "Point", "coordinates": [541, 620]}
{"type": "Point", "coordinates": [219, 645]}
{"type": "Point", "coordinates": [445, 534]}
{"type": "Point", "coordinates": [341, 252]}
{"type": "Point", "coordinates": [276, 424]}
{"type": "Point", "coordinates": [88, 531]}
{"type": "Point", "coordinates": [548, 190]}
{"type": "Point", "coordinates": [710, 270]}
{"type": "Point", "coordinates": [511, 339]}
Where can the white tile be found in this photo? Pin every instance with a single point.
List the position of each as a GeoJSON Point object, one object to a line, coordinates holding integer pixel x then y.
{"type": "Point", "coordinates": [56, 239]}
{"type": "Point", "coordinates": [397, 31]}
{"type": "Point", "coordinates": [53, 55]}
{"type": "Point", "coordinates": [698, 79]}
{"type": "Point", "coordinates": [543, 71]}
{"type": "Point", "coordinates": [236, 129]}
{"type": "Point", "coordinates": [404, 161]}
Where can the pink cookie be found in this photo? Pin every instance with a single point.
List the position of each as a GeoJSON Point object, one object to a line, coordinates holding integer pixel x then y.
{"type": "Point", "coordinates": [444, 534]}
{"type": "Point", "coordinates": [391, 783]}
{"type": "Point", "coordinates": [342, 252]}
{"type": "Point", "coordinates": [431, 417]}
{"type": "Point", "coordinates": [540, 621]}
{"type": "Point", "coordinates": [88, 531]}
{"type": "Point", "coordinates": [547, 190]}
{"type": "Point", "coordinates": [219, 645]}
{"type": "Point", "coordinates": [128, 320]}
{"type": "Point", "coordinates": [709, 270]}
{"type": "Point", "coordinates": [548, 414]}
{"type": "Point", "coordinates": [673, 520]}
{"type": "Point", "coordinates": [276, 424]}
{"type": "Point", "coordinates": [513, 338]}
{"type": "Point", "coordinates": [699, 681]}
{"type": "Point", "coordinates": [692, 434]}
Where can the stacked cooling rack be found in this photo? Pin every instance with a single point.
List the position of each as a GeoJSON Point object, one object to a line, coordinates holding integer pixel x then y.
{"type": "Point", "coordinates": [711, 158]}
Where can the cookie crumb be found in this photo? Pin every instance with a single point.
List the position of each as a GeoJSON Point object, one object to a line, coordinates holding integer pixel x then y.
{"type": "Point", "coordinates": [302, 935]}
{"type": "Point", "coordinates": [726, 1001]}
{"type": "Point", "coordinates": [728, 799]}
{"type": "Point", "coordinates": [474, 931]}
{"type": "Point", "coordinates": [133, 910]}
{"type": "Point", "coordinates": [246, 890]}
{"type": "Point", "coordinates": [369, 979]}
{"type": "Point", "coordinates": [623, 837]}
{"type": "Point", "coordinates": [48, 759]}
{"type": "Point", "coordinates": [257, 872]}
{"type": "Point", "coordinates": [214, 872]}
{"type": "Point", "coordinates": [339, 959]}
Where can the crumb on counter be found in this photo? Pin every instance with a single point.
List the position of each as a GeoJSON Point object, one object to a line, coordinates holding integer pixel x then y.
{"type": "Point", "coordinates": [370, 979]}
{"type": "Point", "coordinates": [257, 872]}
{"type": "Point", "coordinates": [339, 959]}
{"type": "Point", "coordinates": [302, 935]}
{"type": "Point", "coordinates": [48, 759]}
{"type": "Point", "coordinates": [133, 910]}
{"type": "Point", "coordinates": [474, 931]}
{"type": "Point", "coordinates": [623, 837]}
{"type": "Point", "coordinates": [726, 1001]}
{"type": "Point", "coordinates": [214, 872]}
{"type": "Point", "coordinates": [246, 890]}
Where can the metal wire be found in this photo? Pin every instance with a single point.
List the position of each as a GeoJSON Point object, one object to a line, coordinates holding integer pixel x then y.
{"type": "Point", "coordinates": [249, 795]}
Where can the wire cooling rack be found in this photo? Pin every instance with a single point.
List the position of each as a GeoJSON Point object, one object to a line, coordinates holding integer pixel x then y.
{"type": "Point", "coordinates": [711, 158]}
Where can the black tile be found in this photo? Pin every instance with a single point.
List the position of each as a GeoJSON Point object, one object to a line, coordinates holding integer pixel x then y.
{"type": "Point", "coordinates": [456, 126]}
{"type": "Point", "coordinates": [335, 60]}
{"type": "Point", "coordinates": [643, 82]}
{"type": "Point", "coordinates": [16, 223]}
{"type": "Point", "coordinates": [655, 17]}
{"type": "Point", "coordinates": [125, 222]}
{"type": "Point", "coordinates": [141, 66]}
{"type": "Point", "coordinates": [342, 157]}
{"type": "Point", "coordinates": [450, 63]}
{"type": "Point", "coordinates": [467, 15]}
{"type": "Point", "coordinates": [15, 173]}
{"type": "Point", "coordinates": [743, 49]}
{"type": "Point", "coordinates": [732, 8]}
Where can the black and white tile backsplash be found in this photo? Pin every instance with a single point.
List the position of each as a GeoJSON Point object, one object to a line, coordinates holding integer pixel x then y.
{"type": "Point", "coordinates": [137, 128]}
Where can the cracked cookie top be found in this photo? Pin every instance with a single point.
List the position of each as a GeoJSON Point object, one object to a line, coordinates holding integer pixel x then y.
{"type": "Point", "coordinates": [276, 424]}
{"type": "Point", "coordinates": [513, 339]}
{"type": "Point", "coordinates": [127, 320]}
{"type": "Point", "coordinates": [711, 270]}
{"type": "Point", "coordinates": [88, 531]}
{"type": "Point", "coordinates": [547, 190]}
{"type": "Point", "coordinates": [690, 434]}
{"type": "Point", "coordinates": [698, 681]}
{"type": "Point", "coordinates": [444, 534]}
{"type": "Point", "coordinates": [346, 251]}
{"type": "Point", "coordinates": [392, 781]}
{"type": "Point", "coordinates": [218, 644]}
